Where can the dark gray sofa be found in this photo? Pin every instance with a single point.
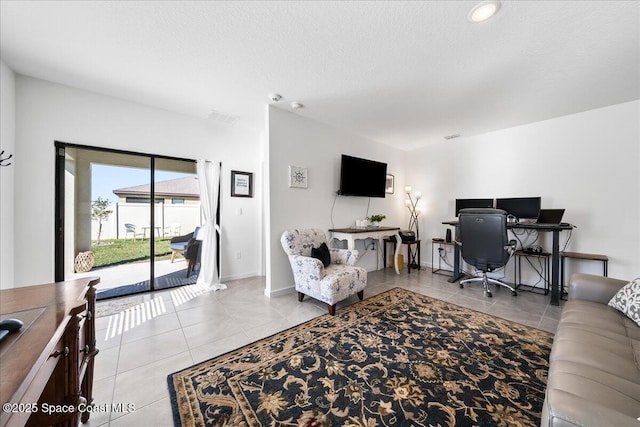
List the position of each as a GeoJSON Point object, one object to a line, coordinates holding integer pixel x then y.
{"type": "Point", "coordinates": [594, 372]}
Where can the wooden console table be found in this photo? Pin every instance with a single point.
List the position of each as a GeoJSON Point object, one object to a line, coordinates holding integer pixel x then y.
{"type": "Point", "coordinates": [47, 366]}
{"type": "Point", "coordinates": [379, 233]}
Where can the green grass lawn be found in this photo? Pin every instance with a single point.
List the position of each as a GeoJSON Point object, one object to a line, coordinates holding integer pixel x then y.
{"type": "Point", "coordinates": [120, 251]}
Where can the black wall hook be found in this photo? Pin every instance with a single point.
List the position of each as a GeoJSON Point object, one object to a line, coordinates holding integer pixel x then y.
{"type": "Point", "coordinates": [2, 161]}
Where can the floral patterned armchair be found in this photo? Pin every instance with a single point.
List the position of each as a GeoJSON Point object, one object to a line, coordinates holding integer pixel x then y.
{"type": "Point", "coordinates": [330, 284]}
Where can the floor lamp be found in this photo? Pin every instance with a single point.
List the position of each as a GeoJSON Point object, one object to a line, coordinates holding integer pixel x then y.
{"type": "Point", "coordinates": [412, 204]}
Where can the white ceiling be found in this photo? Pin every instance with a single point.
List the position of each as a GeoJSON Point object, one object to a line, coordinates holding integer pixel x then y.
{"type": "Point", "coordinates": [401, 73]}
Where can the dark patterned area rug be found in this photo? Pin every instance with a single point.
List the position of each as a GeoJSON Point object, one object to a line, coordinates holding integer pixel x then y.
{"type": "Point", "coordinates": [398, 358]}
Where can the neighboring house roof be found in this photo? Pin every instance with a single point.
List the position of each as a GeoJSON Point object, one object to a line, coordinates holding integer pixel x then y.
{"type": "Point", "coordinates": [180, 187]}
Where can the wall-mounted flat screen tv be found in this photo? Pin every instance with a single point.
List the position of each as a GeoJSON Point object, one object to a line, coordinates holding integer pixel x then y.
{"type": "Point", "coordinates": [472, 203]}
{"type": "Point", "coordinates": [362, 177]}
{"type": "Point", "coordinates": [520, 207]}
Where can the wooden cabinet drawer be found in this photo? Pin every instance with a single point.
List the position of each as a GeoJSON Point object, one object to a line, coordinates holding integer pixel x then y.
{"type": "Point", "coordinates": [50, 360]}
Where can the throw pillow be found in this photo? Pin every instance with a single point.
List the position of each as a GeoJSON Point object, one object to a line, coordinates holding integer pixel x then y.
{"type": "Point", "coordinates": [627, 300]}
{"type": "Point", "coordinates": [322, 253]}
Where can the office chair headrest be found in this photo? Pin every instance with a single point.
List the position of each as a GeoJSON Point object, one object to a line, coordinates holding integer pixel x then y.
{"type": "Point", "coordinates": [480, 211]}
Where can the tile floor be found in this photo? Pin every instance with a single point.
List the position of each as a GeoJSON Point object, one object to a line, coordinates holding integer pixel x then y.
{"type": "Point", "coordinates": [173, 329]}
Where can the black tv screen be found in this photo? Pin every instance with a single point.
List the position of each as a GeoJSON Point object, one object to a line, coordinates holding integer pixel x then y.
{"type": "Point", "coordinates": [362, 177]}
{"type": "Point", "coordinates": [520, 207]}
{"type": "Point", "coordinates": [473, 203]}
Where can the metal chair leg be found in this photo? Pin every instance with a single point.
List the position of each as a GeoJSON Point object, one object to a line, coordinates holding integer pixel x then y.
{"type": "Point", "coordinates": [504, 285]}
{"type": "Point", "coordinates": [485, 284]}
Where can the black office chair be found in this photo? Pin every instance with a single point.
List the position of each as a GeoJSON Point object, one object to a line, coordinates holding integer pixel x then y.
{"type": "Point", "coordinates": [484, 243]}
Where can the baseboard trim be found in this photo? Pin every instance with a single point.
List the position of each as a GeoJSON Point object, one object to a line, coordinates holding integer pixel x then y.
{"type": "Point", "coordinates": [238, 277]}
{"type": "Point", "coordinates": [280, 292]}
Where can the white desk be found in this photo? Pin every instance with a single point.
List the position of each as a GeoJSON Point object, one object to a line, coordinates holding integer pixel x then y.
{"type": "Point", "coordinates": [379, 233]}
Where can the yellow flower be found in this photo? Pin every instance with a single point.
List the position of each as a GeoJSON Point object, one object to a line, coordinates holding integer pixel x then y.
{"type": "Point", "coordinates": [405, 389]}
{"type": "Point", "coordinates": [266, 374]}
{"type": "Point", "coordinates": [460, 336]}
{"type": "Point", "coordinates": [272, 403]}
{"type": "Point", "coordinates": [354, 391]}
{"type": "Point", "coordinates": [425, 372]}
{"type": "Point", "coordinates": [452, 386]}
{"type": "Point", "coordinates": [402, 358]}
{"type": "Point", "coordinates": [334, 367]}
{"type": "Point", "coordinates": [446, 323]}
{"type": "Point", "coordinates": [492, 339]}
{"type": "Point", "coordinates": [295, 362]}
{"type": "Point", "coordinates": [358, 356]}
{"type": "Point", "coordinates": [360, 422]}
{"type": "Point", "coordinates": [393, 335]}
{"type": "Point", "coordinates": [313, 419]}
{"type": "Point", "coordinates": [326, 343]}
{"type": "Point", "coordinates": [385, 408]}
{"type": "Point", "coordinates": [211, 379]}
{"type": "Point", "coordinates": [368, 340]}
{"type": "Point", "coordinates": [506, 416]}
{"type": "Point", "coordinates": [507, 390]}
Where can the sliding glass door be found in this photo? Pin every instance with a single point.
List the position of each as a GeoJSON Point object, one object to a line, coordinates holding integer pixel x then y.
{"type": "Point", "coordinates": [116, 215]}
{"type": "Point", "coordinates": [177, 216]}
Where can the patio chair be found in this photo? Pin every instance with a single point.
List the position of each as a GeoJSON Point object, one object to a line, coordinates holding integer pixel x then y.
{"type": "Point", "coordinates": [173, 229]}
{"type": "Point", "coordinates": [192, 254]}
{"type": "Point", "coordinates": [179, 244]}
{"type": "Point", "coordinates": [130, 228]}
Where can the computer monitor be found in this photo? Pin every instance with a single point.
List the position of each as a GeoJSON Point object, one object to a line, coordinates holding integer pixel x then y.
{"type": "Point", "coordinates": [520, 207]}
{"type": "Point", "coordinates": [473, 203]}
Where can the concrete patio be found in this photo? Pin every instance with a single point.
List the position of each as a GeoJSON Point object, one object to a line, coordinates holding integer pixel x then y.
{"type": "Point", "coordinates": [126, 274]}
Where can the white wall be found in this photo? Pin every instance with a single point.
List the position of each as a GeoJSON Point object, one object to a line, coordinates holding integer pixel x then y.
{"type": "Point", "coordinates": [7, 143]}
{"type": "Point", "coordinates": [298, 141]}
{"type": "Point", "coordinates": [587, 163]}
{"type": "Point", "coordinates": [46, 112]}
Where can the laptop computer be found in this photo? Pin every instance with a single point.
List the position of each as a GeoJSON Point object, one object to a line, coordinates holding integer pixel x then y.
{"type": "Point", "coordinates": [550, 216]}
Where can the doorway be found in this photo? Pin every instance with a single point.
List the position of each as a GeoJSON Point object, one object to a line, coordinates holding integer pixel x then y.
{"type": "Point", "coordinates": [120, 215]}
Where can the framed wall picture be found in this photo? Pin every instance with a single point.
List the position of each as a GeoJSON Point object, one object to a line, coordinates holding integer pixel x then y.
{"type": "Point", "coordinates": [298, 177]}
{"type": "Point", "coordinates": [241, 184]}
{"type": "Point", "coordinates": [388, 187]}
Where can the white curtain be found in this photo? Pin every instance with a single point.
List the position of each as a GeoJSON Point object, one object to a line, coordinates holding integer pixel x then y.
{"type": "Point", "coordinates": [209, 180]}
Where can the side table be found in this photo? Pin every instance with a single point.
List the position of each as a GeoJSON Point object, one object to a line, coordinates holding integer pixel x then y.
{"type": "Point", "coordinates": [411, 254]}
{"type": "Point", "coordinates": [517, 269]}
{"type": "Point", "coordinates": [440, 243]}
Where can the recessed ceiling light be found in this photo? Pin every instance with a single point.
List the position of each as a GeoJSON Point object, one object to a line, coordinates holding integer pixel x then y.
{"type": "Point", "coordinates": [296, 105]}
{"type": "Point", "coordinates": [483, 11]}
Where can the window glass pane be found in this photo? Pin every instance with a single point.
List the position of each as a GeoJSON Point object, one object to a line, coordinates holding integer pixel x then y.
{"type": "Point", "coordinates": [176, 183]}
{"type": "Point", "coordinates": [107, 213]}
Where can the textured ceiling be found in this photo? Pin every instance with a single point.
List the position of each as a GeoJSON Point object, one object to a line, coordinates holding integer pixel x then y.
{"type": "Point", "coordinates": [401, 73]}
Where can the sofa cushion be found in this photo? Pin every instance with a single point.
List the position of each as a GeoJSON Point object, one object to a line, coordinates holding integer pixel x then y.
{"type": "Point", "coordinates": [594, 380]}
{"type": "Point", "coordinates": [300, 242]}
{"type": "Point", "coordinates": [599, 317]}
{"type": "Point", "coordinates": [564, 409]}
{"type": "Point", "coordinates": [594, 370]}
{"type": "Point", "coordinates": [342, 281]}
{"type": "Point", "coordinates": [594, 365]}
{"type": "Point", "coordinates": [593, 334]}
{"type": "Point", "coordinates": [322, 253]}
{"type": "Point", "coordinates": [627, 300]}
